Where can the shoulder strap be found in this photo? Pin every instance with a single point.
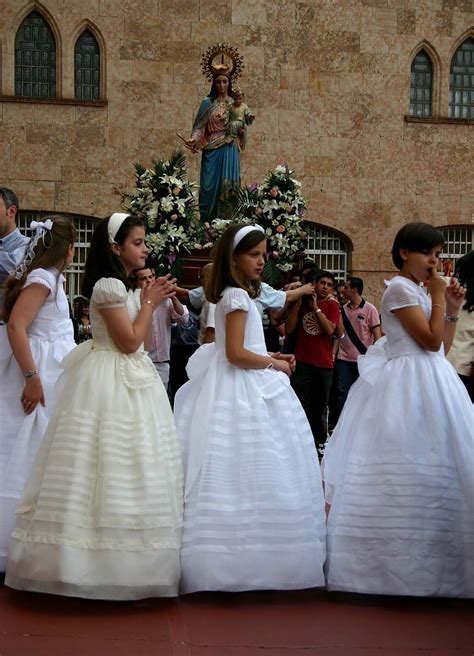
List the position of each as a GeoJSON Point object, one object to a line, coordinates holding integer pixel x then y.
{"type": "Point", "coordinates": [351, 333]}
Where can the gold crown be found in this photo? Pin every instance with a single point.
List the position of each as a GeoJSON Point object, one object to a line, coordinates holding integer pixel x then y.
{"type": "Point", "coordinates": [222, 59]}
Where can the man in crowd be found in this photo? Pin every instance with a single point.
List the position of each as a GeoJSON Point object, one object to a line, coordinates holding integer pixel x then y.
{"type": "Point", "coordinates": [12, 242]}
{"type": "Point", "coordinates": [164, 314]}
{"type": "Point", "coordinates": [361, 329]}
{"type": "Point", "coordinates": [315, 320]}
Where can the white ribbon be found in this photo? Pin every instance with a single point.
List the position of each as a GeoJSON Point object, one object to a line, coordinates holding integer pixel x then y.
{"type": "Point", "coordinates": [40, 229]}
{"type": "Point", "coordinates": [114, 224]}
{"type": "Point", "coordinates": [243, 232]}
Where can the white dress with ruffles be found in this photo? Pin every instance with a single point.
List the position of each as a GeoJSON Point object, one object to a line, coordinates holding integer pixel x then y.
{"type": "Point", "coordinates": [101, 515]}
{"type": "Point", "coordinates": [399, 469]}
{"type": "Point", "coordinates": [51, 337]}
{"type": "Point", "coordinates": [254, 508]}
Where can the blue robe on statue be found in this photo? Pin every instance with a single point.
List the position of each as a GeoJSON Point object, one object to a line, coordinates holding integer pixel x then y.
{"type": "Point", "coordinates": [220, 164]}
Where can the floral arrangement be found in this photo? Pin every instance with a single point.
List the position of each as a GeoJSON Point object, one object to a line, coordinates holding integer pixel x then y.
{"type": "Point", "coordinates": [276, 205]}
{"type": "Point", "coordinates": [167, 202]}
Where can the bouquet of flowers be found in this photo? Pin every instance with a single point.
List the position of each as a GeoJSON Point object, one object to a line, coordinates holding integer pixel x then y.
{"type": "Point", "coordinates": [276, 205]}
{"type": "Point", "coordinates": [166, 201]}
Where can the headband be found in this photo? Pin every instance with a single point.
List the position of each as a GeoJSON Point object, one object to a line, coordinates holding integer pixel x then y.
{"type": "Point", "coordinates": [40, 229]}
{"type": "Point", "coordinates": [114, 224]}
{"type": "Point", "coordinates": [243, 232]}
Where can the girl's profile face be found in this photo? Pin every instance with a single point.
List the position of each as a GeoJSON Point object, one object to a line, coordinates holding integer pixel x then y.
{"type": "Point", "coordinates": [418, 265]}
{"type": "Point", "coordinates": [132, 253]}
{"type": "Point", "coordinates": [250, 263]}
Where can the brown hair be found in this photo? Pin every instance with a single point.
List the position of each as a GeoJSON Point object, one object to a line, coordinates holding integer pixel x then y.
{"type": "Point", "coordinates": [224, 272]}
{"type": "Point", "coordinates": [50, 251]}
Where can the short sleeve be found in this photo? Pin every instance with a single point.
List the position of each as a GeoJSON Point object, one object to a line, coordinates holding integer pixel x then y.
{"type": "Point", "coordinates": [197, 297]}
{"type": "Point", "coordinates": [271, 299]}
{"type": "Point", "coordinates": [109, 293]}
{"type": "Point", "coordinates": [373, 317]}
{"type": "Point", "coordinates": [233, 299]}
{"type": "Point", "coordinates": [41, 277]}
{"type": "Point", "coordinates": [400, 294]}
{"type": "Point", "coordinates": [333, 312]}
{"type": "Point", "coordinates": [211, 321]}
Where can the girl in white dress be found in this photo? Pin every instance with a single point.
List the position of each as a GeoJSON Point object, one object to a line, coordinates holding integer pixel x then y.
{"type": "Point", "coordinates": [101, 514]}
{"type": "Point", "coordinates": [38, 335]}
{"type": "Point", "coordinates": [399, 468]}
{"type": "Point", "coordinates": [254, 507]}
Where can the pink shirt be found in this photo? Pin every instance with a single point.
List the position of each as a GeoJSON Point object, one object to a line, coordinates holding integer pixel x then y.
{"type": "Point", "coordinates": [161, 321]}
{"type": "Point", "coordinates": [363, 319]}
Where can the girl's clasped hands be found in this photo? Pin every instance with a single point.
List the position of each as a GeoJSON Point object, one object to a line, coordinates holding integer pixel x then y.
{"type": "Point", "coordinates": [156, 291]}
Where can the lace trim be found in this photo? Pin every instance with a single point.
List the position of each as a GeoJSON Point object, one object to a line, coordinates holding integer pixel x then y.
{"type": "Point", "coordinates": [172, 522]}
{"type": "Point", "coordinates": [120, 545]}
{"type": "Point", "coordinates": [36, 280]}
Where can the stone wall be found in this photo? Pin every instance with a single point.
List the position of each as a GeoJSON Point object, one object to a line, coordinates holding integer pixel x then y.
{"type": "Point", "coordinates": [328, 81]}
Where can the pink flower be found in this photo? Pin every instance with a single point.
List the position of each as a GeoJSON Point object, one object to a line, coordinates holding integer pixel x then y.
{"type": "Point", "coordinates": [275, 254]}
{"type": "Point", "coordinates": [174, 217]}
{"type": "Point", "coordinates": [280, 229]}
{"type": "Point", "coordinates": [176, 191]}
{"type": "Point", "coordinates": [274, 192]}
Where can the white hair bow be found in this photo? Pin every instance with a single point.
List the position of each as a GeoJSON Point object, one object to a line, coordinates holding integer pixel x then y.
{"type": "Point", "coordinates": [40, 228]}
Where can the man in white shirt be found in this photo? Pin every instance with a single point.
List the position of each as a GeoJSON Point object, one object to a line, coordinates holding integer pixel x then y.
{"type": "Point", "coordinates": [12, 242]}
{"type": "Point", "coordinates": [171, 309]}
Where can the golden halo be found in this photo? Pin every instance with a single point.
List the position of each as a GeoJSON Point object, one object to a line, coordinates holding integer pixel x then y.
{"type": "Point", "coordinates": [222, 59]}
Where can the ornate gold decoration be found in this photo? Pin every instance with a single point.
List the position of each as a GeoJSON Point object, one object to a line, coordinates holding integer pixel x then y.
{"type": "Point", "coordinates": [222, 59]}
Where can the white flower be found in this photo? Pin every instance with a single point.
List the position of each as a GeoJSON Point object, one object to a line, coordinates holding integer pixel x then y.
{"type": "Point", "coordinates": [167, 204]}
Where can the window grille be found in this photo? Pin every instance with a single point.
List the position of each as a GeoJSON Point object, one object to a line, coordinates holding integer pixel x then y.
{"type": "Point", "coordinates": [421, 85]}
{"type": "Point", "coordinates": [461, 81]}
{"type": "Point", "coordinates": [87, 67]}
{"type": "Point", "coordinates": [85, 227]}
{"type": "Point", "coordinates": [35, 59]}
{"type": "Point", "coordinates": [459, 240]}
{"type": "Point", "coordinates": [328, 250]}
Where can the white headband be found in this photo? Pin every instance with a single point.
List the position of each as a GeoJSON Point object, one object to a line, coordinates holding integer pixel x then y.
{"type": "Point", "coordinates": [243, 232]}
{"type": "Point", "coordinates": [114, 225]}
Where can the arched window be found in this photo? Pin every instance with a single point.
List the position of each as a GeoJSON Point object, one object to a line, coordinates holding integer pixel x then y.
{"type": "Point", "coordinates": [461, 81]}
{"type": "Point", "coordinates": [35, 59]}
{"type": "Point", "coordinates": [87, 67]}
{"type": "Point", "coordinates": [421, 85]}
{"type": "Point", "coordinates": [327, 249]}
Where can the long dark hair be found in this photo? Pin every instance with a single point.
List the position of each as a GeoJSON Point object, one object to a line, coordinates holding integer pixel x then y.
{"type": "Point", "coordinates": [224, 272]}
{"type": "Point", "coordinates": [415, 237]}
{"type": "Point", "coordinates": [213, 93]}
{"type": "Point", "coordinates": [51, 251]}
{"type": "Point", "coordinates": [465, 274]}
{"type": "Point", "coordinates": [101, 260]}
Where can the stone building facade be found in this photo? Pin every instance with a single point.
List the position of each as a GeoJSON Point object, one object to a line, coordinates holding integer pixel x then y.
{"type": "Point", "coordinates": [328, 80]}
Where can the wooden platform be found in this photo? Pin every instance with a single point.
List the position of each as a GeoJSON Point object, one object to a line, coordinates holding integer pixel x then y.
{"type": "Point", "coordinates": [309, 623]}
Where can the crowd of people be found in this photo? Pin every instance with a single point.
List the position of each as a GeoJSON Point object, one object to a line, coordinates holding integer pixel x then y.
{"type": "Point", "coordinates": [106, 492]}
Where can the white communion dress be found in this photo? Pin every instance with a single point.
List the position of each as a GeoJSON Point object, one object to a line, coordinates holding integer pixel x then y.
{"type": "Point", "coordinates": [399, 469]}
{"type": "Point", "coordinates": [101, 515]}
{"type": "Point", "coordinates": [254, 508]}
{"type": "Point", "coordinates": [51, 337]}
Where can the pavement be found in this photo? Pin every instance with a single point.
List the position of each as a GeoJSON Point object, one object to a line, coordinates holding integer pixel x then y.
{"type": "Point", "coordinates": [303, 623]}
